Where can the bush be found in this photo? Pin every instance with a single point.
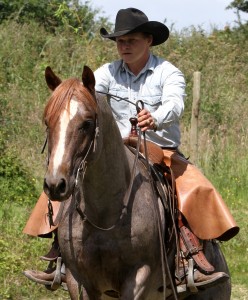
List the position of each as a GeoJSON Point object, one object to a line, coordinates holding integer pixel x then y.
{"type": "Point", "coordinates": [16, 184]}
{"type": "Point", "coordinates": [221, 57]}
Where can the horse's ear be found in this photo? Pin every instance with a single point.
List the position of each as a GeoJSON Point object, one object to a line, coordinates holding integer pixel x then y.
{"type": "Point", "coordinates": [88, 79]}
{"type": "Point", "coordinates": [51, 79]}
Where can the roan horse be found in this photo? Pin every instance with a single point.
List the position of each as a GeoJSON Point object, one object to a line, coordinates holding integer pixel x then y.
{"type": "Point", "coordinates": [109, 239]}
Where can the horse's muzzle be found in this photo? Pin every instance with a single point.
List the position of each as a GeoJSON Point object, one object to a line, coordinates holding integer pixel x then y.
{"type": "Point", "coordinates": [56, 188]}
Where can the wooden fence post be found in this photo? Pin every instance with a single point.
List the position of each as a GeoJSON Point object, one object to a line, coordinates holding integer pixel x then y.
{"type": "Point", "coordinates": [194, 117]}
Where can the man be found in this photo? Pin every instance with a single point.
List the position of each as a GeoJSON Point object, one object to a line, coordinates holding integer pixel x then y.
{"type": "Point", "coordinates": [139, 75]}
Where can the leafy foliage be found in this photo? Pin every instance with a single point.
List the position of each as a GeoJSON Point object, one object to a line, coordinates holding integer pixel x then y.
{"type": "Point", "coordinates": [66, 45]}
{"type": "Point", "coordinates": [16, 183]}
{"type": "Point", "coordinates": [53, 14]}
{"type": "Point", "coordinates": [240, 5]}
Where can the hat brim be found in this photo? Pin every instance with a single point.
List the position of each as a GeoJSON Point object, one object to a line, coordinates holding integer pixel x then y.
{"type": "Point", "coordinates": [159, 31]}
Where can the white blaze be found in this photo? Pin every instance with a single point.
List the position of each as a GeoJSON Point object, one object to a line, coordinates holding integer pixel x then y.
{"type": "Point", "coordinates": [64, 122]}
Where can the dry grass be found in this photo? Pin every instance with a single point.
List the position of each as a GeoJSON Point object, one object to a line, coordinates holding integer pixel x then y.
{"type": "Point", "coordinates": [223, 141]}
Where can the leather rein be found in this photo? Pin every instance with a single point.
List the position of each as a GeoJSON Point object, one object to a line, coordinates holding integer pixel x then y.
{"type": "Point", "coordinates": [82, 169]}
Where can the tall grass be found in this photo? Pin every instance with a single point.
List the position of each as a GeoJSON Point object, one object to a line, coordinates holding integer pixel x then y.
{"type": "Point", "coordinates": [227, 167]}
{"type": "Point", "coordinates": [26, 50]}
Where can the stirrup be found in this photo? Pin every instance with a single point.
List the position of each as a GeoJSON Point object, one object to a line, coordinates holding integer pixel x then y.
{"type": "Point", "coordinates": [190, 277]}
{"type": "Point", "coordinates": [189, 286]}
{"type": "Point", "coordinates": [57, 282]}
{"type": "Point", "coordinates": [195, 280]}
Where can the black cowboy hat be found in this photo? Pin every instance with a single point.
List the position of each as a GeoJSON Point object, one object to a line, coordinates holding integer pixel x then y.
{"type": "Point", "coordinates": [132, 20]}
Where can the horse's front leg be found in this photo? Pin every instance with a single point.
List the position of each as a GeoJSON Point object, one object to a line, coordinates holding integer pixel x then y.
{"type": "Point", "coordinates": [75, 289]}
{"type": "Point", "coordinates": [78, 292]}
{"type": "Point", "coordinates": [135, 285]}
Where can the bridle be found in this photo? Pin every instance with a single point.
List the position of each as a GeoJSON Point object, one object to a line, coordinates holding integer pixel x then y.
{"type": "Point", "coordinates": [81, 170]}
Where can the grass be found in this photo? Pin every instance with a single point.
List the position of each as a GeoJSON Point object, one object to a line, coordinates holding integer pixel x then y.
{"type": "Point", "coordinates": [19, 252]}
{"type": "Point", "coordinates": [229, 174]}
{"type": "Point", "coordinates": [221, 57]}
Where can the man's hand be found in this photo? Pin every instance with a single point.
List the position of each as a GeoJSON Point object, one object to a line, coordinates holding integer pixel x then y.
{"type": "Point", "coordinates": [145, 120]}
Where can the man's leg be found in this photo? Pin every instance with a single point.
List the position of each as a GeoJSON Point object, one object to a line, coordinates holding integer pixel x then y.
{"type": "Point", "coordinates": [193, 270]}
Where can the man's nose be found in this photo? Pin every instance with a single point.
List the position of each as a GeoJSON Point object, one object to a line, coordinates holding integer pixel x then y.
{"type": "Point", "coordinates": [126, 44]}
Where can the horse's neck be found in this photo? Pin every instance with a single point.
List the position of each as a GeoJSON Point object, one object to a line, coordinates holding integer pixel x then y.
{"type": "Point", "coordinates": [107, 178]}
{"type": "Point", "coordinates": [104, 187]}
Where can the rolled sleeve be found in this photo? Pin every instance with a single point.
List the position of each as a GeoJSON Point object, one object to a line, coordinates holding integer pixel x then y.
{"type": "Point", "coordinates": [172, 100]}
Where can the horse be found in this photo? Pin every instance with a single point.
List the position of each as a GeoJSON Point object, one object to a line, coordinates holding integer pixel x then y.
{"type": "Point", "coordinates": [109, 233]}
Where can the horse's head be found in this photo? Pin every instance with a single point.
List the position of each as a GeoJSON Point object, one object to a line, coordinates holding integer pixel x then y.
{"type": "Point", "coordinates": [70, 117]}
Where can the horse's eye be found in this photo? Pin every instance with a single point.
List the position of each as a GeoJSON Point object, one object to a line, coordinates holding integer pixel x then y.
{"type": "Point", "coordinates": [86, 125]}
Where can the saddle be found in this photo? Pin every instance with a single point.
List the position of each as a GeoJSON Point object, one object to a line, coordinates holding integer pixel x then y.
{"type": "Point", "coordinates": [155, 153]}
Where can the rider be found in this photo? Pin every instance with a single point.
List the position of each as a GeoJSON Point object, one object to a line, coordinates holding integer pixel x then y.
{"type": "Point", "coordinates": [140, 75]}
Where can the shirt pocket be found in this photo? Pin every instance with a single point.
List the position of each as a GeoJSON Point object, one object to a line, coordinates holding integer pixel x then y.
{"type": "Point", "coordinates": [152, 96]}
{"type": "Point", "coordinates": [152, 103]}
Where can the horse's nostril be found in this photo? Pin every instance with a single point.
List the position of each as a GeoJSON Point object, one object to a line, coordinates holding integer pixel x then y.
{"type": "Point", "coordinates": [62, 185]}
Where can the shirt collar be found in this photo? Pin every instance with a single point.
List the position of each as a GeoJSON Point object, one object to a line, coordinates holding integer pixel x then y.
{"type": "Point", "coordinates": [149, 66]}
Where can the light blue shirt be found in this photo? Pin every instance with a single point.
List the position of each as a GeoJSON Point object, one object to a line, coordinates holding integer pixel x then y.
{"type": "Point", "coordinates": [160, 85]}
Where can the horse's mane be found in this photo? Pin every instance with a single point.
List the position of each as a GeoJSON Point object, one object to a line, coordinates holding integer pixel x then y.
{"type": "Point", "coordinates": [61, 97]}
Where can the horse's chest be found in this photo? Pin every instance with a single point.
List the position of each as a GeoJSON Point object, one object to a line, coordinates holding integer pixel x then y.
{"type": "Point", "coordinates": [104, 250]}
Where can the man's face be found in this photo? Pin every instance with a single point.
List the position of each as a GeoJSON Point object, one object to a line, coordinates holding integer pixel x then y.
{"type": "Point", "coordinates": [133, 47]}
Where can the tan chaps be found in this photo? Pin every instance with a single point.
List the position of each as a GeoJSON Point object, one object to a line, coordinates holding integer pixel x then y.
{"type": "Point", "coordinates": [200, 203]}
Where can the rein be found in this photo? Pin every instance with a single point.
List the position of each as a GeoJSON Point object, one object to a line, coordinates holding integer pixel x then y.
{"type": "Point", "coordinates": [164, 258]}
{"type": "Point", "coordinates": [82, 168]}
{"type": "Point", "coordinates": [116, 97]}
{"type": "Point", "coordinates": [83, 165]}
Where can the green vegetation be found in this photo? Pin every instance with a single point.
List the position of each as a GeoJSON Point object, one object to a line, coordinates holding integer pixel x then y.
{"type": "Point", "coordinates": [27, 47]}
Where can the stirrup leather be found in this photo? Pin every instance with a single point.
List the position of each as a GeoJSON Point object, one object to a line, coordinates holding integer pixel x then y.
{"type": "Point", "coordinates": [191, 248]}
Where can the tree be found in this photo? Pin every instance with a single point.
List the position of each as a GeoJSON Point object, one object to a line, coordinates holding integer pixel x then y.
{"type": "Point", "coordinates": [240, 5]}
{"type": "Point", "coordinates": [52, 14]}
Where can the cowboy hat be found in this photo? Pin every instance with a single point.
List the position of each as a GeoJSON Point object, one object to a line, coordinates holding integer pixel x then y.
{"type": "Point", "coordinates": [132, 20]}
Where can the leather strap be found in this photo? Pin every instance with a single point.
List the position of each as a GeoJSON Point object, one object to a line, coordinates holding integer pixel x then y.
{"type": "Point", "coordinates": [191, 248]}
{"type": "Point", "coordinates": [190, 277]}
